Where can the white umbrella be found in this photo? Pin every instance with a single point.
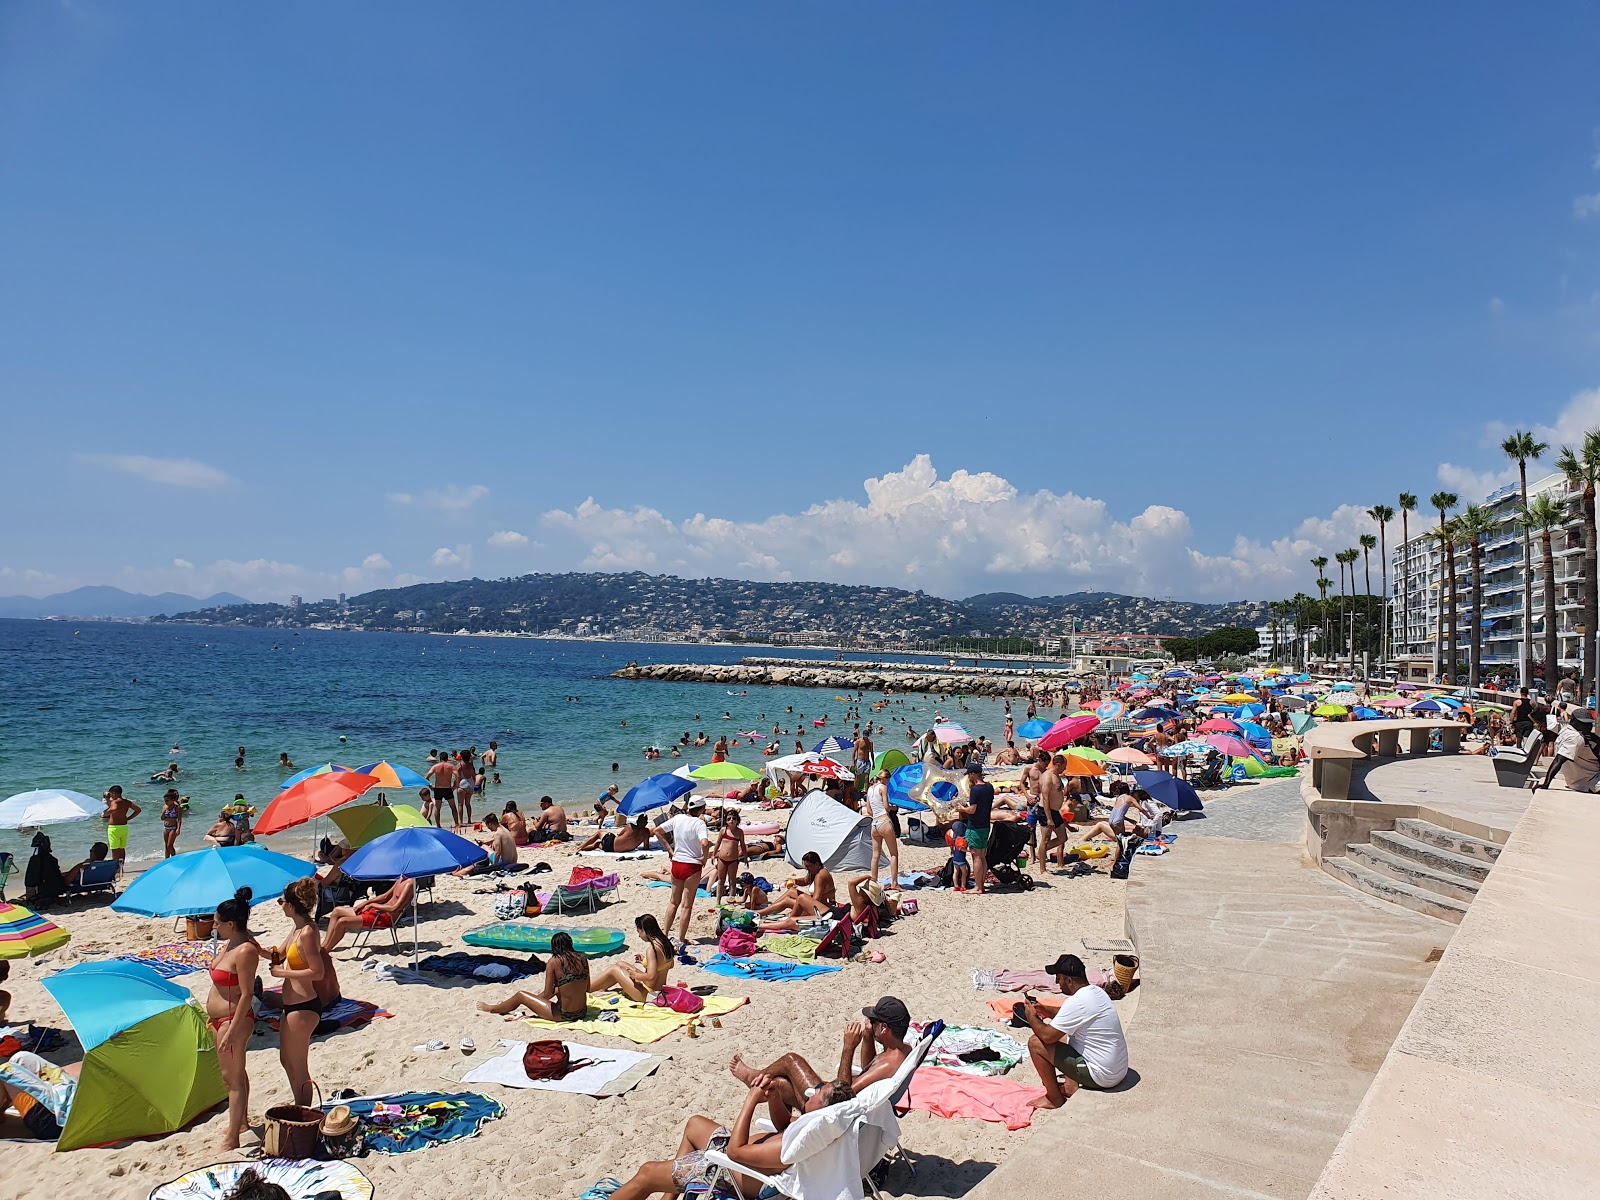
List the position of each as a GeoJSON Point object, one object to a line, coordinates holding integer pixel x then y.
{"type": "Point", "coordinates": [794, 762]}
{"type": "Point", "coordinates": [47, 806]}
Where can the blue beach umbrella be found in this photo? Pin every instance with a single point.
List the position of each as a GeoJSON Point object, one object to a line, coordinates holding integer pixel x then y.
{"type": "Point", "coordinates": [1034, 730]}
{"type": "Point", "coordinates": [1362, 713]}
{"type": "Point", "coordinates": [1170, 790]}
{"type": "Point", "coordinates": [833, 745]}
{"type": "Point", "coordinates": [1157, 713]}
{"type": "Point", "coordinates": [1248, 711]}
{"type": "Point", "coordinates": [1255, 732]}
{"type": "Point", "coordinates": [655, 792]}
{"type": "Point", "coordinates": [393, 775]}
{"type": "Point", "coordinates": [192, 884]}
{"type": "Point", "coordinates": [415, 851]}
{"type": "Point", "coordinates": [308, 773]}
{"type": "Point", "coordinates": [1429, 706]}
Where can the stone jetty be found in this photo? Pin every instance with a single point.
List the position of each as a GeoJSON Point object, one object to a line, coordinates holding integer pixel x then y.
{"type": "Point", "coordinates": [852, 678]}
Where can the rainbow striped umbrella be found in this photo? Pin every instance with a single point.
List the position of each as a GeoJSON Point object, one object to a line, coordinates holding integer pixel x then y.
{"type": "Point", "coordinates": [393, 775]}
{"type": "Point", "coordinates": [24, 932]}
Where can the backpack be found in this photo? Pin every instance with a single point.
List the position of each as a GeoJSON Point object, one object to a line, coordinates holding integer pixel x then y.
{"type": "Point", "coordinates": [550, 1060]}
{"type": "Point", "coordinates": [679, 1000]}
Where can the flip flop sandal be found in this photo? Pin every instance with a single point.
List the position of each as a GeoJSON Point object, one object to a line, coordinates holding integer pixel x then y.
{"type": "Point", "coordinates": [430, 1047]}
{"type": "Point", "coordinates": [468, 1046]}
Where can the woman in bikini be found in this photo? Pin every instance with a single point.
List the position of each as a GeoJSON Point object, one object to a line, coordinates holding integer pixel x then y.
{"type": "Point", "coordinates": [171, 821]}
{"type": "Point", "coordinates": [565, 995]}
{"type": "Point", "coordinates": [300, 963]}
{"type": "Point", "coordinates": [230, 1005]}
{"type": "Point", "coordinates": [636, 983]}
{"type": "Point", "coordinates": [730, 850]}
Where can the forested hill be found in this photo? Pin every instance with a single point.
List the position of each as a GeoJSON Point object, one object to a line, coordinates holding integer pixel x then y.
{"type": "Point", "coordinates": [587, 605]}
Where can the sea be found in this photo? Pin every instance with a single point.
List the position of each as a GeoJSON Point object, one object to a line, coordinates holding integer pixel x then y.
{"type": "Point", "coordinates": [90, 704]}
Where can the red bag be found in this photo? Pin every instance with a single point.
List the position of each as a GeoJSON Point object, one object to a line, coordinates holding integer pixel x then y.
{"type": "Point", "coordinates": [736, 943]}
{"type": "Point", "coordinates": [679, 1000]}
{"type": "Point", "coordinates": [582, 875]}
{"type": "Point", "coordinates": [549, 1060]}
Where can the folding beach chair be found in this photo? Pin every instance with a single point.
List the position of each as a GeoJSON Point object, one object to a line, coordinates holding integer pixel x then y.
{"type": "Point", "coordinates": [363, 939]}
{"type": "Point", "coordinates": [583, 896]}
{"type": "Point", "coordinates": [8, 864]}
{"type": "Point", "coordinates": [95, 877]}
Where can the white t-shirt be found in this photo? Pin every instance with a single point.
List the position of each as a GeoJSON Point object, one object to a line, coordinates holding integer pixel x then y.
{"type": "Point", "coordinates": [689, 837]}
{"type": "Point", "coordinates": [1581, 770]}
{"type": "Point", "coordinates": [1094, 1030]}
{"type": "Point", "coordinates": [878, 802]}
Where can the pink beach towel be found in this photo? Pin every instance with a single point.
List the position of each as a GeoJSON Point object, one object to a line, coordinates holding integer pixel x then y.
{"type": "Point", "coordinates": [947, 1093]}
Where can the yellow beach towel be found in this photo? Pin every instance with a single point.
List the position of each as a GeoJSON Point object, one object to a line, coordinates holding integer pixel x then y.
{"type": "Point", "coordinates": [641, 1023]}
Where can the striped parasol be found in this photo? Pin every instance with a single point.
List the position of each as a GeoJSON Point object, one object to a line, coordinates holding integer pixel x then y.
{"type": "Point", "coordinates": [24, 932]}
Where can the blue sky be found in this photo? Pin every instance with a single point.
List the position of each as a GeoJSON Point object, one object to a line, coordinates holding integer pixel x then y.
{"type": "Point", "coordinates": [964, 297]}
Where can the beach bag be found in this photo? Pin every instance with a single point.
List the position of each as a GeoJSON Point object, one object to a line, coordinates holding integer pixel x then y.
{"type": "Point", "coordinates": [508, 906]}
{"type": "Point", "coordinates": [293, 1130]}
{"type": "Point", "coordinates": [1123, 967]}
{"type": "Point", "coordinates": [582, 875]}
{"type": "Point", "coordinates": [737, 943]}
{"type": "Point", "coordinates": [550, 1060]}
{"type": "Point", "coordinates": [679, 1000]}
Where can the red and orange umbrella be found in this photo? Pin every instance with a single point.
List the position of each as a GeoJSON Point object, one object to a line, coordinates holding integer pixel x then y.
{"type": "Point", "coordinates": [311, 798]}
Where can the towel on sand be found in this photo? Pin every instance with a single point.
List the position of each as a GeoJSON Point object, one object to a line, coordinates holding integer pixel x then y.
{"type": "Point", "coordinates": [947, 1093]}
{"type": "Point", "coordinates": [1048, 1005]}
{"type": "Point", "coordinates": [407, 1121]}
{"type": "Point", "coordinates": [341, 1014]}
{"type": "Point", "coordinates": [175, 958]}
{"type": "Point", "coordinates": [764, 969]}
{"type": "Point", "coordinates": [1005, 980]}
{"type": "Point", "coordinates": [600, 1078]}
{"type": "Point", "coordinates": [637, 1022]}
{"type": "Point", "coordinates": [790, 945]}
{"type": "Point", "coordinates": [465, 964]}
{"type": "Point", "coordinates": [973, 1051]}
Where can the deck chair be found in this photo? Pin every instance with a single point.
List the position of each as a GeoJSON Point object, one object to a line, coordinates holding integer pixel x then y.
{"type": "Point", "coordinates": [95, 877]}
{"type": "Point", "coordinates": [817, 1144]}
{"type": "Point", "coordinates": [363, 939]}
{"type": "Point", "coordinates": [1512, 767]}
{"type": "Point", "coordinates": [8, 866]}
{"type": "Point", "coordinates": [587, 895]}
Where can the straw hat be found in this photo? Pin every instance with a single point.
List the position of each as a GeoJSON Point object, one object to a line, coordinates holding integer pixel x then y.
{"type": "Point", "coordinates": [339, 1121]}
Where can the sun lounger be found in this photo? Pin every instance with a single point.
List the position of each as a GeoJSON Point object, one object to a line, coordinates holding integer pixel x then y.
{"type": "Point", "coordinates": [95, 877]}
{"type": "Point", "coordinates": [586, 896]}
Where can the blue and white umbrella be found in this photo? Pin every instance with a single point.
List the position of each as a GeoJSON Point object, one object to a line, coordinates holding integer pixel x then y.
{"type": "Point", "coordinates": [833, 745]}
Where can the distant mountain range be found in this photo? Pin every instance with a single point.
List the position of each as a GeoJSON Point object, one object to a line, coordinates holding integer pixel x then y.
{"type": "Point", "coordinates": [88, 602]}
{"type": "Point", "coordinates": [644, 606]}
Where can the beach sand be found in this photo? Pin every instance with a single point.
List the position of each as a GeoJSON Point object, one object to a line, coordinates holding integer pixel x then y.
{"type": "Point", "coordinates": [553, 1145]}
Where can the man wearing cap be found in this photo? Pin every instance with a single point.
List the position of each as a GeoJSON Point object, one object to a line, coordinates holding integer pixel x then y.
{"type": "Point", "coordinates": [687, 835]}
{"type": "Point", "coordinates": [1084, 1040]}
{"type": "Point", "coordinates": [1577, 755]}
{"type": "Point", "coordinates": [873, 1049]}
{"type": "Point", "coordinates": [978, 810]}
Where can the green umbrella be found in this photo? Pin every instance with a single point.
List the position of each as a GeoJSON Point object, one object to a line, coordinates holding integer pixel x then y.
{"type": "Point", "coordinates": [1088, 752]}
{"type": "Point", "coordinates": [724, 770]}
{"type": "Point", "coordinates": [888, 760]}
{"type": "Point", "coordinates": [363, 822]}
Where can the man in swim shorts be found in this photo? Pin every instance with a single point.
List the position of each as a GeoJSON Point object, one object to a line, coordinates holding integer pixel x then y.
{"type": "Point", "coordinates": [442, 777]}
{"type": "Point", "coordinates": [119, 811]}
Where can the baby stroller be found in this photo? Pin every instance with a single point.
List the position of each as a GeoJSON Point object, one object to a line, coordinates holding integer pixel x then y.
{"type": "Point", "coordinates": [1007, 842]}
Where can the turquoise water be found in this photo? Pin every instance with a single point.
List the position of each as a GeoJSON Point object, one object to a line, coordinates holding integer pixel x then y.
{"type": "Point", "coordinates": [88, 705]}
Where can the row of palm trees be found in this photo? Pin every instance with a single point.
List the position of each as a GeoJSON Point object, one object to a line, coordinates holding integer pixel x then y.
{"type": "Point", "coordinates": [1463, 534]}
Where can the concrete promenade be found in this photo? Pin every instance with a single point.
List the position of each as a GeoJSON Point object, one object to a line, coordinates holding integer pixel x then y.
{"type": "Point", "coordinates": [1270, 995]}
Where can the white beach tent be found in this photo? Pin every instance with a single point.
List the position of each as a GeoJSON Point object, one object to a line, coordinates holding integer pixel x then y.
{"type": "Point", "coordinates": [841, 837]}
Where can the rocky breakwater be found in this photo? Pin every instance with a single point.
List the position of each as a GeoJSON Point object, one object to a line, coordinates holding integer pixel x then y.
{"type": "Point", "coordinates": [941, 683]}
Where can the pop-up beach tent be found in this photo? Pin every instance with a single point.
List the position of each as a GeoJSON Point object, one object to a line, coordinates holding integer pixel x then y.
{"type": "Point", "coordinates": [841, 837]}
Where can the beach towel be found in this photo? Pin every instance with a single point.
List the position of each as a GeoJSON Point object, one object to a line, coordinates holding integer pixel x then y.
{"type": "Point", "coordinates": [700, 892]}
{"type": "Point", "coordinates": [765, 969]}
{"type": "Point", "coordinates": [600, 1078]}
{"type": "Point", "coordinates": [641, 1023]}
{"type": "Point", "coordinates": [464, 964]}
{"type": "Point", "coordinates": [341, 1014]}
{"type": "Point", "coordinates": [947, 1093]}
{"type": "Point", "coordinates": [1004, 980]}
{"type": "Point", "coordinates": [791, 945]}
{"type": "Point", "coordinates": [973, 1051]}
{"type": "Point", "coordinates": [297, 1176]}
{"type": "Point", "coordinates": [650, 853]}
{"type": "Point", "coordinates": [1048, 1005]}
{"type": "Point", "coordinates": [175, 958]}
{"type": "Point", "coordinates": [408, 1121]}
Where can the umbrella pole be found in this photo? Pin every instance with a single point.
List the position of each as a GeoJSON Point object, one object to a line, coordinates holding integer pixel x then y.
{"type": "Point", "coordinates": [414, 931]}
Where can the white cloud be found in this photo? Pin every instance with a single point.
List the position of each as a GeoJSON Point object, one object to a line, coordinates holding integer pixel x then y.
{"type": "Point", "coordinates": [183, 564]}
{"type": "Point", "coordinates": [1497, 306]}
{"type": "Point", "coordinates": [445, 557]}
{"type": "Point", "coordinates": [1586, 206]}
{"type": "Point", "coordinates": [508, 537]}
{"type": "Point", "coordinates": [452, 499]}
{"type": "Point", "coordinates": [171, 472]}
{"type": "Point", "coordinates": [1471, 485]}
{"type": "Point", "coordinates": [1580, 414]}
{"type": "Point", "coordinates": [968, 532]}
{"type": "Point", "coordinates": [368, 574]}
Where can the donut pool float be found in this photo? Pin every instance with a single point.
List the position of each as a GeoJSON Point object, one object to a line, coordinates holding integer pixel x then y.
{"type": "Point", "coordinates": [535, 939]}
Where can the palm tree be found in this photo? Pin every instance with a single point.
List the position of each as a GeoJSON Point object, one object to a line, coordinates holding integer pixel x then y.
{"type": "Point", "coordinates": [1408, 505]}
{"type": "Point", "coordinates": [1347, 558]}
{"type": "Point", "coordinates": [1383, 514]}
{"type": "Point", "coordinates": [1471, 527]}
{"type": "Point", "coordinates": [1544, 516]}
{"type": "Point", "coordinates": [1521, 446]}
{"type": "Point", "coordinates": [1444, 502]}
{"type": "Point", "coordinates": [1583, 472]}
{"type": "Point", "coordinates": [1320, 563]}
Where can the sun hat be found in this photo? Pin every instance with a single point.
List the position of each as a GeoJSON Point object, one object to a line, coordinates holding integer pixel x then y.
{"type": "Point", "coordinates": [340, 1120]}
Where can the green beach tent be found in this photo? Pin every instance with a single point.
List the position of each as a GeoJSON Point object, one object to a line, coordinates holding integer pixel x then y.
{"type": "Point", "coordinates": [149, 1066]}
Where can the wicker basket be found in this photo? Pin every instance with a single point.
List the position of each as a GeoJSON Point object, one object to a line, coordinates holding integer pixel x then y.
{"type": "Point", "coordinates": [1124, 967]}
{"type": "Point", "coordinates": [293, 1131]}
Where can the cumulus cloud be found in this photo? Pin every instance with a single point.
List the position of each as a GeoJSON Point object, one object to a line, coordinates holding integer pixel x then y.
{"type": "Point", "coordinates": [371, 571]}
{"type": "Point", "coordinates": [452, 499]}
{"type": "Point", "coordinates": [170, 472]}
{"type": "Point", "coordinates": [446, 557]}
{"type": "Point", "coordinates": [971, 531]}
{"type": "Point", "coordinates": [508, 537]}
{"type": "Point", "coordinates": [1586, 206]}
{"type": "Point", "coordinates": [1471, 485]}
{"type": "Point", "coordinates": [1580, 414]}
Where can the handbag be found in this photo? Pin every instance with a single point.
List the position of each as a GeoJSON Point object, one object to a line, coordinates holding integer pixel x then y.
{"type": "Point", "coordinates": [550, 1060]}
{"type": "Point", "coordinates": [293, 1130]}
{"type": "Point", "coordinates": [737, 943]}
{"type": "Point", "coordinates": [679, 1000]}
{"type": "Point", "coordinates": [508, 906]}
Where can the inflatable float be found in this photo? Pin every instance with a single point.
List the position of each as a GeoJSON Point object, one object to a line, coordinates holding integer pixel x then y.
{"type": "Point", "coordinates": [535, 939]}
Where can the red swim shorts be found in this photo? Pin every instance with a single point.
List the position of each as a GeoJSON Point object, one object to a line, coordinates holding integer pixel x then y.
{"type": "Point", "coordinates": [371, 918]}
{"type": "Point", "coordinates": [685, 871]}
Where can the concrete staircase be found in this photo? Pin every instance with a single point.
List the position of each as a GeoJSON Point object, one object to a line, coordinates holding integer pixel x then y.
{"type": "Point", "coordinates": [1420, 866]}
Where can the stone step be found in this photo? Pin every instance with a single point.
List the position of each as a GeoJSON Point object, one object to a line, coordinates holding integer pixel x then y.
{"type": "Point", "coordinates": [1448, 839]}
{"type": "Point", "coordinates": [1435, 859]}
{"type": "Point", "coordinates": [1364, 879]}
{"type": "Point", "coordinates": [1409, 870]}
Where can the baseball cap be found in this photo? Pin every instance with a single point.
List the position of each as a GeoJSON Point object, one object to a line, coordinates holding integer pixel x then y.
{"type": "Point", "coordinates": [1069, 965]}
{"type": "Point", "coordinates": [696, 804]}
{"type": "Point", "coordinates": [892, 1012]}
{"type": "Point", "coordinates": [974, 768]}
{"type": "Point", "coordinates": [1581, 716]}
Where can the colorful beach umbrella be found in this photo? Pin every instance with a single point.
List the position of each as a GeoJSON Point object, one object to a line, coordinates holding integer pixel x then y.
{"type": "Point", "coordinates": [656, 792]}
{"type": "Point", "coordinates": [48, 806]}
{"type": "Point", "coordinates": [312, 798]}
{"type": "Point", "coordinates": [149, 1066]}
{"type": "Point", "coordinates": [417, 852]}
{"type": "Point", "coordinates": [1427, 708]}
{"type": "Point", "coordinates": [392, 775]}
{"type": "Point", "coordinates": [890, 760]}
{"type": "Point", "coordinates": [1218, 725]}
{"type": "Point", "coordinates": [311, 773]}
{"type": "Point", "coordinates": [951, 735]}
{"type": "Point", "coordinates": [1130, 756]}
{"type": "Point", "coordinates": [833, 744]}
{"type": "Point", "coordinates": [1301, 722]}
{"type": "Point", "coordinates": [188, 885]}
{"type": "Point", "coordinates": [1082, 767]}
{"type": "Point", "coordinates": [826, 768]}
{"type": "Point", "coordinates": [1068, 730]}
{"type": "Point", "coordinates": [1089, 753]}
{"type": "Point", "coordinates": [1231, 746]}
{"type": "Point", "coordinates": [362, 823]}
{"type": "Point", "coordinates": [1110, 708]}
{"type": "Point", "coordinates": [24, 932]}
{"type": "Point", "coordinates": [1237, 698]}
{"type": "Point", "coordinates": [1034, 729]}
{"type": "Point", "coordinates": [724, 770]}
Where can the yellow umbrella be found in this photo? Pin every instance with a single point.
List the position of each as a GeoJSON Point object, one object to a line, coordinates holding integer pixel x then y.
{"type": "Point", "coordinates": [1239, 698]}
{"type": "Point", "coordinates": [364, 822]}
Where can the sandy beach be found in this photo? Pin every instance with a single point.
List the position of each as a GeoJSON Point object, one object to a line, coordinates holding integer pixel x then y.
{"type": "Point", "coordinates": [552, 1145]}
